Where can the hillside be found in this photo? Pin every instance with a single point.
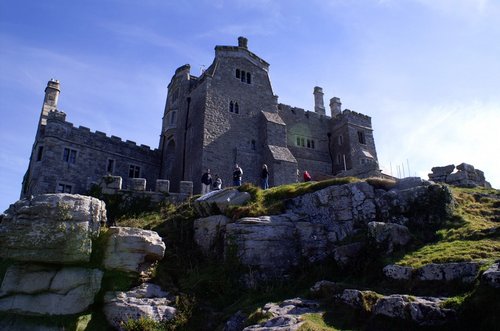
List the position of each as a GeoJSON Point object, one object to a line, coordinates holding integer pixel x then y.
{"type": "Point", "coordinates": [340, 254]}
{"type": "Point", "coordinates": [213, 291]}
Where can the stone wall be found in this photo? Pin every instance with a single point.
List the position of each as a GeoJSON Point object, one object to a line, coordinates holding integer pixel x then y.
{"type": "Point", "coordinates": [92, 151]}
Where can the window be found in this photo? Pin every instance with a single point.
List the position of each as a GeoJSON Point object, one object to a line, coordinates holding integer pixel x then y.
{"type": "Point", "coordinates": [173, 117]}
{"type": "Point", "coordinates": [40, 153]}
{"type": "Point", "coordinates": [302, 142]}
{"type": "Point", "coordinates": [253, 145]}
{"type": "Point", "coordinates": [340, 140]}
{"type": "Point", "coordinates": [243, 76]}
{"type": "Point", "coordinates": [298, 141]}
{"type": "Point", "coordinates": [361, 137]}
{"type": "Point", "coordinates": [134, 171]}
{"type": "Point", "coordinates": [234, 107]}
{"type": "Point", "coordinates": [110, 167]}
{"type": "Point", "coordinates": [312, 144]}
{"type": "Point", "coordinates": [69, 155]}
{"type": "Point", "coordinates": [63, 188]}
{"type": "Point", "coordinates": [308, 143]}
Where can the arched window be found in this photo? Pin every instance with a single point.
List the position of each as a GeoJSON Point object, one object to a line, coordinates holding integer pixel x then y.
{"type": "Point", "coordinates": [237, 73]}
{"type": "Point", "coordinates": [249, 78]}
{"type": "Point", "coordinates": [231, 106]}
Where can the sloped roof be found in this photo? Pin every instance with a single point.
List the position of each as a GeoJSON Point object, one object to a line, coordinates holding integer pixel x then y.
{"type": "Point", "coordinates": [282, 153]}
{"type": "Point", "coordinates": [273, 117]}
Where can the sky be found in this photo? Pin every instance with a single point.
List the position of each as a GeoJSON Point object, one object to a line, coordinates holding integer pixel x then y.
{"type": "Point", "coordinates": [426, 71]}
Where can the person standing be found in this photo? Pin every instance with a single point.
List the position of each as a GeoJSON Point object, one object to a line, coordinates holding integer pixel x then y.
{"type": "Point", "coordinates": [206, 182]}
{"type": "Point", "coordinates": [217, 183]}
{"type": "Point", "coordinates": [307, 177]}
{"type": "Point", "coordinates": [264, 177]}
{"type": "Point", "coordinates": [237, 174]}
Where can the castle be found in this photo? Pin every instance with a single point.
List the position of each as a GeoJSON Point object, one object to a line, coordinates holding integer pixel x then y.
{"type": "Point", "coordinates": [227, 115]}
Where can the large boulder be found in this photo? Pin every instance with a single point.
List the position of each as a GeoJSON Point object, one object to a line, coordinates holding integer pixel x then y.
{"type": "Point", "coordinates": [55, 228]}
{"type": "Point", "coordinates": [209, 231]}
{"type": "Point", "coordinates": [217, 201]}
{"type": "Point", "coordinates": [398, 272]}
{"type": "Point", "coordinates": [33, 289]}
{"type": "Point", "coordinates": [389, 235]}
{"type": "Point", "coordinates": [491, 277]}
{"type": "Point", "coordinates": [465, 272]}
{"type": "Point", "coordinates": [132, 249]}
{"type": "Point", "coordinates": [424, 311]}
{"type": "Point", "coordinates": [146, 301]}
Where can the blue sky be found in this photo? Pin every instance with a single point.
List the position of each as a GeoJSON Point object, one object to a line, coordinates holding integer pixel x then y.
{"type": "Point", "coordinates": [426, 71]}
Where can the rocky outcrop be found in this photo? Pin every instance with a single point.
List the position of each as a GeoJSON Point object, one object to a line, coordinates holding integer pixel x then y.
{"type": "Point", "coordinates": [320, 225]}
{"type": "Point", "coordinates": [209, 231]}
{"type": "Point", "coordinates": [389, 235]}
{"type": "Point", "coordinates": [422, 311]}
{"type": "Point", "coordinates": [219, 201]}
{"type": "Point", "coordinates": [40, 289]}
{"type": "Point", "coordinates": [54, 233]}
{"type": "Point", "coordinates": [465, 272]}
{"type": "Point", "coordinates": [284, 316]}
{"type": "Point", "coordinates": [146, 301]}
{"type": "Point", "coordinates": [56, 228]}
{"type": "Point", "coordinates": [132, 249]}
{"type": "Point", "coordinates": [465, 176]}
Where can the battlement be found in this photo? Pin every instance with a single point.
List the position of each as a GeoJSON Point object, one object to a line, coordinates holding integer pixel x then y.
{"type": "Point", "coordinates": [288, 110]}
{"type": "Point", "coordinates": [356, 118]}
{"type": "Point", "coordinates": [58, 126]}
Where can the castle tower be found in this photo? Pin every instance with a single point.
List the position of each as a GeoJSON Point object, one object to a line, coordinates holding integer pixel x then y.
{"type": "Point", "coordinates": [319, 106]}
{"type": "Point", "coordinates": [49, 102]}
{"type": "Point", "coordinates": [335, 106]}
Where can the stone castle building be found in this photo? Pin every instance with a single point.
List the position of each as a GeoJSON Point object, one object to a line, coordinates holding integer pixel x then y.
{"type": "Point", "coordinates": [229, 114]}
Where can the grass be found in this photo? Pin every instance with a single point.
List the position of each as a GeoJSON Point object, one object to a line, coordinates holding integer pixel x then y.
{"type": "Point", "coordinates": [272, 201]}
{"type": "Point", "coordinates": [315, 322]}
{"type": "Point", "coordinates": [471, 234]}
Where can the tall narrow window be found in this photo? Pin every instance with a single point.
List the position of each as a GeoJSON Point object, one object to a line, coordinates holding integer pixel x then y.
{"type": "Point", "coordinates": [249, 78]}
{"type": "Point", "coordinates": [134, 171]}
{"type": "Point", "coordinates": [236, 108]}
{"type": "Point", "coordinates": [308, 143]}
{"type": "Point", "coordinates": [312, 144]}
{"type": "Point", "coordinates": [173, 117]}
{"type": "Point", "coordinates": [298, 141]}
{"type": "Point", "coordinates": [69, 155]}
{"type": "Point", "coordinates": [341, 140]}
{"type": "Point", "coordinates": [231, 106]}
{"type": "Point", "coordinates": [110, 167]}
{"type": "Point", "coordinates": [243, 76]}
{"type": "Point", "coordinates": [302, 142]}
{"type": "Point", "coordinates": [361, 137]}
{"type": "Point", "coordinates": [40, 153]}
{"type": "Point", "coordinates": [237, 73]}
{"type": "Point", "coordinates": [253, 145]}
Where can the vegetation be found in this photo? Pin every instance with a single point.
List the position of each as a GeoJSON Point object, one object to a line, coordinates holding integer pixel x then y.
{"type": "Point", "coordinates": [209, 290]}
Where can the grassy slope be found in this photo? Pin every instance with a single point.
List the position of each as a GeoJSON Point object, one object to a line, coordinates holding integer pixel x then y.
{"type": "Point", "coordinates": [213, 293]}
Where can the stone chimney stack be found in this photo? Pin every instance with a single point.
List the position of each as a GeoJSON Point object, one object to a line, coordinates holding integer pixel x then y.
{"type": "Point", "coordinates": [319, 106]}
{"type": "Point", "coordinates": [335, 106]}
{"type": "Point", "coordinates": [243, 42]}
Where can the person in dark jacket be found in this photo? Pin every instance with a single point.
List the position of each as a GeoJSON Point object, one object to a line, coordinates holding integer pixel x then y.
{"type": "Point", "coordinates": [264, 177]}
{"type": "Point", "coordinates": [206, 182]}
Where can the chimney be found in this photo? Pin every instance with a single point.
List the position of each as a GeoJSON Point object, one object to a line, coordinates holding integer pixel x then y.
{"type": "Point", "coordinates": [319, 106]}
{"type": "Point", "coordinates": [335, 106]}
{"type": "Point", "coordinates": [243, 42]}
